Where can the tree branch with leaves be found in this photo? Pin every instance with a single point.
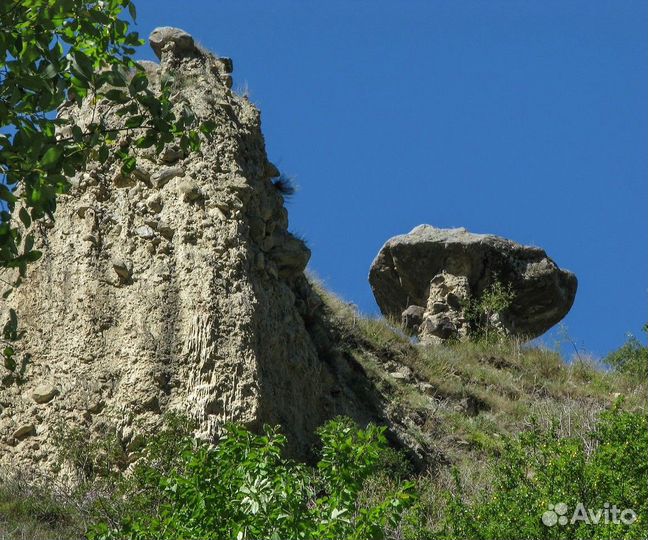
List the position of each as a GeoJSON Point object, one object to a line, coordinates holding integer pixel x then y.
{"type": "Point", "coordinates": [58, 53]}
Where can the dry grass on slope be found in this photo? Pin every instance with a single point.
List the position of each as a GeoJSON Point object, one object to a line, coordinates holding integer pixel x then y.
{"type": "Point", "coordinates": [465, 396]}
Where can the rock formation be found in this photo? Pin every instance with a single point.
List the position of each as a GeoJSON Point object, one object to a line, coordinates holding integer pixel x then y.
{"type": "Point", "coordinates": [175, 288]}
{"type": "Point", "coordinates": [179, 287]}
{"type": "Point", "coordinates": [426, 278]}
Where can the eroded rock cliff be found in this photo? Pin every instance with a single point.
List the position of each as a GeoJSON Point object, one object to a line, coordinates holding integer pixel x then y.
{"type": "Point", "coordinates": [177, 287]}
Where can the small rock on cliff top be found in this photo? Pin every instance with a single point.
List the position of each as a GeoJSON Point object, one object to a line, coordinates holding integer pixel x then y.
{"type": "Point", "coordinates": [426, 277]}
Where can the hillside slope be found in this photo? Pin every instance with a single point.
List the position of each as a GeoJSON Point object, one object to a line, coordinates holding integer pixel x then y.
{"type": "Point", "coordinates": [449, 407]}
{"type": "Point", "coordinates": [460, 399]}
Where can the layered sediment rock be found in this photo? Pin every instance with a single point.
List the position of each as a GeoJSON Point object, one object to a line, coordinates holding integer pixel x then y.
{"type": "Point", "coordinates": [175, 288]}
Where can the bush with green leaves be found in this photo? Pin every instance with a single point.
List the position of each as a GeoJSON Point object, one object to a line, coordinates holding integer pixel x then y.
{"type": "Point", "coordinates": [243, 488]}
{"type": "Point", "coordinates": [630, 358]}
{"type": "Point", "coordinates": [483, 312]}
{"type": "Point", "coordinates": [56, 52]}
{"type": "Point", "coordinates": [606, 469]}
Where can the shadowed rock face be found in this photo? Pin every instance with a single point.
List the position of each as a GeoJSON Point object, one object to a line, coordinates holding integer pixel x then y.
{"type": "Point", "coordinates": [424, 276]}
{"type": "Point", "coordinates": [178, 288]}
{"type": "Point", "coordinates": [175, 288]}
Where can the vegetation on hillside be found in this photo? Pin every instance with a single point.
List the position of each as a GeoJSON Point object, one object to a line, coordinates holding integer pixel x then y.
{"type": "Point", "coordinates": [541, 485]}
{"type": "Point", "coordinates": [526, 445]}
{"type": "Point", "coordinates": [631, 358]}
{"type": "Point", "coordinates": [515, 428]}
{"type": "Point", "coordinates": [244, 488]}
{"type": "Point", "coordinates": [467, 396]}
{"type": "Point", "coordinates": [546, 486]}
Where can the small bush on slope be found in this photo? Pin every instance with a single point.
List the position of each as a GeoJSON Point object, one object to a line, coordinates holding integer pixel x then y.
{"type": "Point", "coordinates": [29, 511]}
{"type": "Point", "coordinates": [539, 469]}
{"type": "Point", "coordinates": [243, 488]}
{"type": "Point", "coordinates": [631, 358]}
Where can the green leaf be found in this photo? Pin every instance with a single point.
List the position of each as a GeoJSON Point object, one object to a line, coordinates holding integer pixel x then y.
{"type": "Point", "coordinates": [138, 83]}
{"type": "Point", "coordinates": [7, 195]}
{"type": "Point", "coordinates": [9, 362]}
{"type": "Point", "coordinates": [51, 158]}
{"type": "Point", "coordinates": [29, 53]}
{"type": "Point", "coordinates": [135, 121]}
{"type": "Point", "coordinates": [77, 134]}
{"type": "Point", "coordinates": [115, 77]}
{"type": "Point", "coordinates": [29, 243]}
{"type": "Point", "coordinates": [33, 256]}
{"type": "Point", "coordinates": [99, 17]}
{"type": "Point", "coordinates": [24, 217]}
{"type": "Point", "coordinates": [150, 102]}
{"type": "Point", "coordinates": [128, 164]}
{"type": "Point", "coordinates": [50, 71]}
{"type": "Point", "coordinates": [118, 96]}
{"type": "Point", "coordinates": [103, 153]}
{"type": "Point", "coordinates": [83, 64]}
{"type": "Point", "coordinates": [146, 141]}
{"type": "Point", "coordinates": [131, 108]}
{"type": "Point", "coordinates": [207, 127]}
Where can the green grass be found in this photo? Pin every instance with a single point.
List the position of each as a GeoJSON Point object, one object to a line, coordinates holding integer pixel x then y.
{"type": "Point", "coordinates": [460, 400]}
{"type": "Point", "coordinates": [472, 393]}
{"type": "Point", "coordinates": [28, 511]}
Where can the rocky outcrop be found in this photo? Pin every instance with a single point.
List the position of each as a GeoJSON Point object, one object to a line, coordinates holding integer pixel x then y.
{"type": "Point", "coordinates": [444, 316]}
{"type": "Point", "coordinates": [428, 277]}
{"type": "Point", "coordinates": [179, 287]}
{"type": "Point", "coordinates": [175, 288]}
{"type": "Point", "coordinates": [181, 43]}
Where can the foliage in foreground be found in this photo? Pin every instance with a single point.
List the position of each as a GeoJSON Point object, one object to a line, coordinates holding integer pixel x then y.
{"type": "Point", "coordinates": [244, 488]}
{"type": "Point", "coordinates": [53, 53]}
{"type": "Point", "coordinates": [607, 469]}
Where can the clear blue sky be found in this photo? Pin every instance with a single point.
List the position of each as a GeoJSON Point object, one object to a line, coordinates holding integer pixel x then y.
{"type": "Point", "coordinates": [523, 118]}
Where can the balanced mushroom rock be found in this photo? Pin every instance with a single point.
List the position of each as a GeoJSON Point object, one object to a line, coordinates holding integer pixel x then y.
{"type": "Point", "coordinates": [428, 276]}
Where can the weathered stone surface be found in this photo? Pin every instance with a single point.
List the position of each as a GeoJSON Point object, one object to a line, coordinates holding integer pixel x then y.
{"type": "Point", "coordinates": [444, 316]}
{"type": "Point", "coordinates": [44, 393]}
{"type": "Point", "coordinates": [439, 269]}
{"type": "Point", "coordinates": [190, 191]}
{"type": "Point", "coordinates": [188, 294]}
{"type": "Point", "coordinates": [122, 268]}
{"type": "Point", "coordinates": [145, 231]}
{"type": "Point", "coordinates": [23, 431]}
{"type": "Point", "coordinates": [290, 254]}
{"type": "Point", "coordinates": [172, 154]}
{"type": "Point", "coordinates": [142, 174]}
{"type": "Point", "coordinates": [412, 317]}
{"type": "Point", "coordinates": [179, 292]}
{"type": "Point", "coordinates": [166, 35]}
{"type": "Point", "coordinates": [162, 177]}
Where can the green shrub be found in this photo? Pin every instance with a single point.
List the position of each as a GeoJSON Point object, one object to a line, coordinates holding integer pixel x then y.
{"type": "Point", "coordinates": [243, 488]}
{"type": "Point", "coordinates": [32, 511]}
{"type": "Point", "coordinates": [606, 470]}
{"type": "Point", "coordinates": [631, 358]}
{"type": "Point", "coordinates": [484, 313]}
